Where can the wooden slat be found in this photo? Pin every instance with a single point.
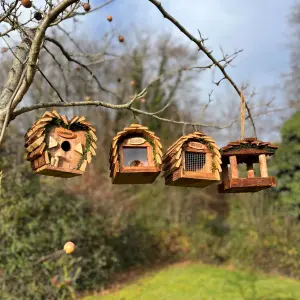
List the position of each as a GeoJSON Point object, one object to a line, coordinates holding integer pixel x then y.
{"type": "Point", "coordinates": [35, 144]}
{"type": "Point", "coordinates": [158, 143]}
{"type": "Point", "coordinates": [93, 151]}
{"type": "Point", "coordinates": [34, 136]}
{"type": "Point", "coordinates": [225, 173]}
{"type": "Point", "coordinates": [34, 129]}
{"type": "Point", "coordinates": [78, 148]}
{"type": "Point", "coordinates": [36, 153]}
{"type": "Point", "coordinates": [83, 166]}
{"type": "Point", "coordinates": [56, 114]}
{"type": "Point", "coordinates": [158, 159]}
{"type": "Point", "coordinates": [263, 165]}
{"type": "Point", "coordinates": [52, 142]}
{"type": "Point", "coordinates": [44, 120]}
{"type": "Point", "coordinates": [114, 144]}
{"type": "Point", "coordinates": [48, 114]}
{"type": "Point", "coordinates": [89, 157]}
{"type": "Point", "coordinates": [233, 167]}
{"type": "Point", "coordinates": [94, 137]}
{"type": "Point", "coordinates": [250, 170]}
{"type": "Point", "coordinates": [135, 125]}
{"type": "Point", "coordinates": [65, 120]}
{"type": "Point", "coordinates": [82, 118]}
{"type": "Point", "coordinates": [47, 159]}
{"type": "Point", "coordinates": [74, 119]}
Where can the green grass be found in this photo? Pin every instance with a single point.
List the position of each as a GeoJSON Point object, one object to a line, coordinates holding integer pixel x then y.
{"type": "Point", "coordinates": [198, 281]}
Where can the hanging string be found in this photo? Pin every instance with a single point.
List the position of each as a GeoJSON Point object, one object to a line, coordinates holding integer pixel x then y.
{"type": "Point", "coordinates": [183, 129]}
{"type": "Point", "coordinates": [135, 119]}
{"type": "Point", "coordinates": [242, 115]}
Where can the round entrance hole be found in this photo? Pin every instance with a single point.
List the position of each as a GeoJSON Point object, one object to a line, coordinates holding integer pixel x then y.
{"type": "Point", "coordinates": [66, 146]}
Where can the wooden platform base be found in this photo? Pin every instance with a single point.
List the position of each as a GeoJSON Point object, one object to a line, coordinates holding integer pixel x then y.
{"type": "Point", "coordinates": [246, 185]}
{"type": "Point", "coordinates": [192, 180]}
{"type": "Point", "coordinates": [58, 172]}
{"type": "Point", "coordinates": [136, 176]}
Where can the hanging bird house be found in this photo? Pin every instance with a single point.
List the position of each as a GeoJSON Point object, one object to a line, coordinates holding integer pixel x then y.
{"type": "Point", "coordinates": [135, 156]}
{"type": "Point", "coordinates": [60, 147]}
{"type": "Point", "coordinates": [248, 151]}
{"type": "Point", "coordinates": [192, 161]}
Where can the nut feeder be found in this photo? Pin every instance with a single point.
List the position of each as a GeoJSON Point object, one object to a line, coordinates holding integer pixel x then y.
{"type": "Point", "coordinates": [60, 147]}
{"type": "Point", "coordinates": [135, 156]}
{"type": "Point", "coordinates": [193, 160]}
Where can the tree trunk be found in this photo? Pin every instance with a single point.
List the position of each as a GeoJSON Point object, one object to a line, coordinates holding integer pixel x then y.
{"type": "Point", "coordinates": [13, 79]}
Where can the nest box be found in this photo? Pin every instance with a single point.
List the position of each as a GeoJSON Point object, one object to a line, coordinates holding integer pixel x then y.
{"type": "Point", "coordinates": [193, 161]}
{"type": "Point", "coordinates": [135, 156]}
{"type": "Point", "coordinates": [248, 151]}
{"type": "Point", "coordinates": [60, 147]}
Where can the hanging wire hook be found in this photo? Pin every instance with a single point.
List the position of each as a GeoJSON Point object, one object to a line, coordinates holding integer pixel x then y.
{"type": "Point", "coordinates": [183, 129]}
{"type": "Point", "coordinates": [135, 119]}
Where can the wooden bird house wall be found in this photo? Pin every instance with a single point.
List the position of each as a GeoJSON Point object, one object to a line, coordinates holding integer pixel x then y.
{"type": "Point", "coordinates": [249, 151]}
{"type": "Point", "coordinates": [192, 161]}
{"type": "Point", "coordinates": [60, 147]}
{"type": "Point", "coordinates": [135, 156]}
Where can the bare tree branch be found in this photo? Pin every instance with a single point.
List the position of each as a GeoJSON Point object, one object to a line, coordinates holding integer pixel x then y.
{"type": "Point", "coordinates": [208, 53]}
{"type": "Point", "coordinates": [51, 85]}
{"type": "Point", "coordinates": [36, 46]}
{"type": "Point", "coordinates": [69, 58]}
{"type": "Point", "coordinates": [12, 7]}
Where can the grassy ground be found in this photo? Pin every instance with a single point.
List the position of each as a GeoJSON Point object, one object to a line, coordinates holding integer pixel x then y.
{"type": "Point", "coordinates": [197, 281]}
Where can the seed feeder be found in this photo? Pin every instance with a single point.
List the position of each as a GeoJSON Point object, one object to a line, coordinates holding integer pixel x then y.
{"type": "Point", "coordinates": [193, 160]}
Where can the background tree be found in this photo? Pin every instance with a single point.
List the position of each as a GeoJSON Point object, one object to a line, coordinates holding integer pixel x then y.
{"type": "Point", "coordinates": [287, 163]}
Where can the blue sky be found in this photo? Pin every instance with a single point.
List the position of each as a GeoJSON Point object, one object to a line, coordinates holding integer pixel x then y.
{"type": "Point", "coordinates": [259, 27]}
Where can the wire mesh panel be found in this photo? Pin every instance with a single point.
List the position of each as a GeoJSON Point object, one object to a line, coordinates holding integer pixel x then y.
{"type": "Point", "coordinates": [194, 161]}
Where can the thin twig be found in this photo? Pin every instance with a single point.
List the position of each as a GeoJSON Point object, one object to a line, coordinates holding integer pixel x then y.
{"type": "Point", "coordinates": [69, 58]}
{"type": "Point", "coordinates": [201, 47]}
{"type": "Point", "coordinates": [7, 116]}
{"type": "Point", "coordinates": [51, 85]}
